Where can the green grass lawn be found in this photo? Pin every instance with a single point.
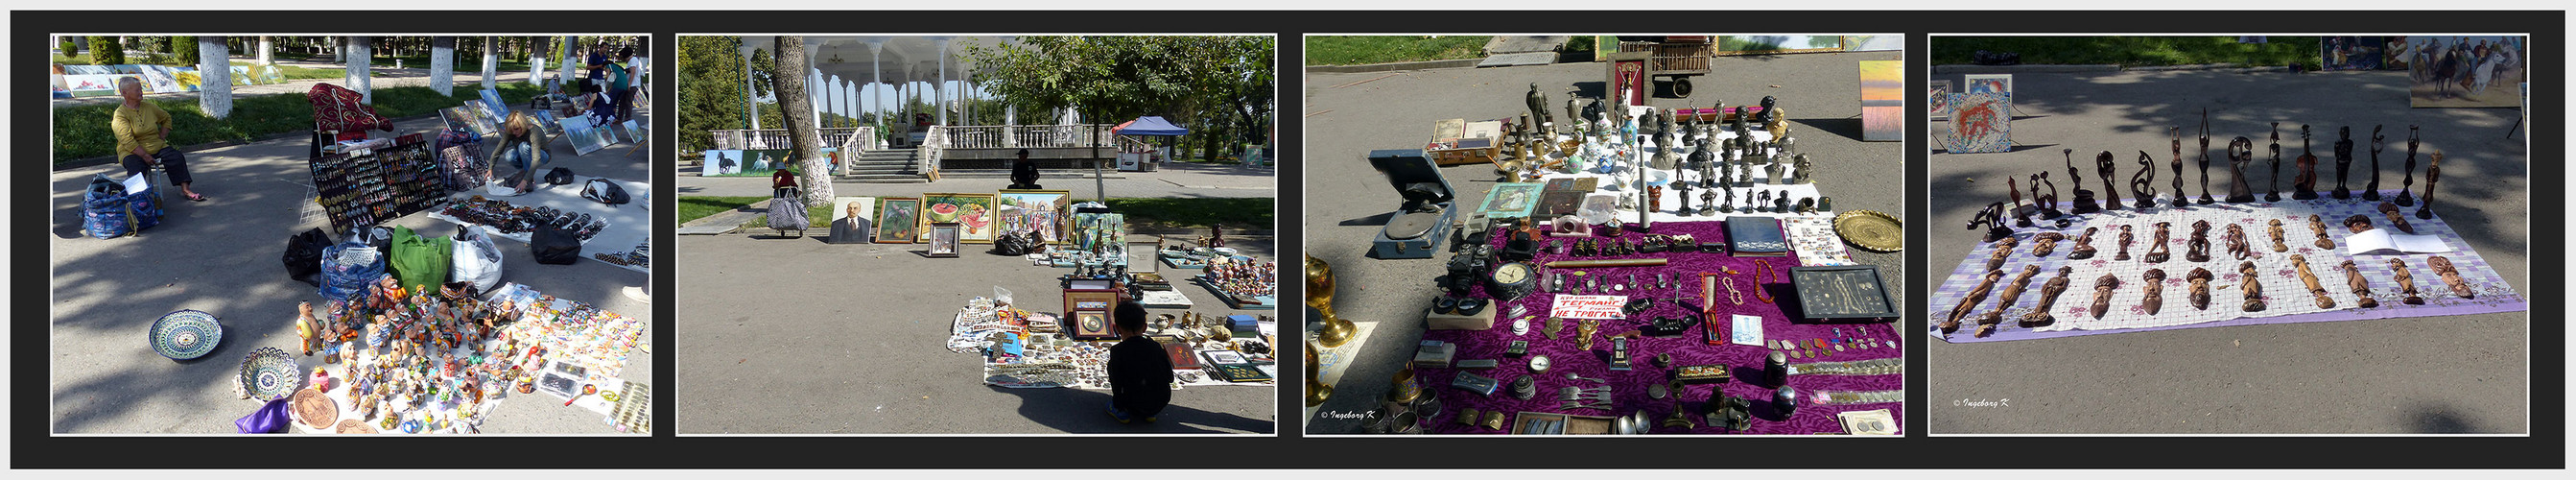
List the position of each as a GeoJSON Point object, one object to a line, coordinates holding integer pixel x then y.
{"type": "Point", "coordinates": [1234, 213]}
{"type": "Point", "coordinates": [2134, 51]}
{"type": "Point", "coordinates": [82, 131]}
{"type": "Point", "coordinates": [1356, 50]}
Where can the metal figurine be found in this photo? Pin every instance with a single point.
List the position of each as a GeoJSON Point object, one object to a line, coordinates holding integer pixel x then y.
{"type": "Point", "coordinates": [2083, 198]}
{"type": "Point", "coordinates": [2204, 159]}
{"type": "Point", "coordinates": [2047, 204]}
{"type": "Point", "coordinates": [2240, 152]}
{"type": "Point", "coordinates": [2143, 183]}
{"type": "Point", "coordinates": [1538, 106]}
{"type": "Point", "coordinates": [1708, 197]}
{"type": "Point", "coordinates": [2252, 289]}
{"type": "Point", "coordinates": [1684, 189]}
{"type": "Point", "coordinates": [2274, 181]}
{"type": "Point", "coordinates": [2405, 197]}
{"type": "Point", "coordinates": [2304, 187]}
{"type": "Point", "coordinates": [2377, 142]}
{"type": "Point", "coordinates": [2343, 162]}
{"type": "Point", "coordinates": [2103, 165]}
{"type": "Point", "coordinates": [1802, 176]}
{"type": "Point", "coordinates": [1777, 174]}
{"type": "Point", "coordinates": [2432, 175]}
{"type": "Point", "coordinates": [2178, 201]}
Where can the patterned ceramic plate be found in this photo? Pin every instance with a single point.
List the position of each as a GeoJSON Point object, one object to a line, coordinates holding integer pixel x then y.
{"type": "Point", "coordinates": [268, 374]}
{"type": "Point", "coordinates": [186, 334]}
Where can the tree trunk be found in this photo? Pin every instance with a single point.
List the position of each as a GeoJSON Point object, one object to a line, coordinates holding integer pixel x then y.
{"type": "Point", "coordinates": [215, 77]}
{"type": "Point", "coordinates": [442, 65]}
{"type": "Point", "coordinates": [360, 66]}
{"type": "Point", "coordinates": [797, 111]}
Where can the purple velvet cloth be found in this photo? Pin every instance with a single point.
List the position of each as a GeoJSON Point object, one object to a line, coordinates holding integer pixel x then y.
{"type": "Point", "coordinates": [1628, 389]}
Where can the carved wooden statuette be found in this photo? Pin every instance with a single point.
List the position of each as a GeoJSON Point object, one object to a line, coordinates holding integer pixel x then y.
{"type": "Point", "coordinates": [2012, 293]}
{"type": "Point", "coordinates": [2020, 213]}
{"type": "Point", "coordinates": [1975, 296]}
{"type": "Point", "coordinates": [2003, 250]}
{"type": "Point", "coordinates": [2048, 299]}
{"type": "Point", "coordinates": [2432, 175]}
{"type": "Point", "coordinates": [1992, 218]}
{"type": "Point", "coordinates": [2277, 244]}
{"type": "Point", "coordinates": [2199, 278]}
{"type": "Point", "coordinates": [2102, 288]}
{"type": "Point", "coordinates": [2360, 285]}
{"type": "Point", "coordinates": [2047, 203]}
{"type": "Point", "coordinates": [2158, 251]}
{"type": "Point", "coordinates": [2405, 195]}
{"type": "Point", "coordinates": [2198, 248]}
{"type": "Point", "coordinates": [2304, 187]}
{"type": "Point", "coordinates": [2274, 181]}
{"type": "Point", "coordinates": [2103, 165]}
{"type": "Point", "coordinates": [2083, 246]}
{"type": "Point", "coordinates": [2252, 289]}
{"type": "Point", "coordinates": [2396, 218]}
{"type": "Point", "coordinates": [2240, 152]}
{"type": "Point", "coordinates": [2125, 238]}
{"type": "Point", "coordinates": [2310, 278]}
{"type": "Point", "coordinates": [2343, 162]}
{"type": "Point", "coordinates": [2178, 200]}
{"type": "Point", "coordinates": [2451, 276]}
{"type": "Point", "coordinates": [2155, 283]}
{"type": "Point", "coordinates": [2237, 246]}
{"type": "Point", "coordinates": [2317, 225]}
{"type": "Point", "coordinates": [2377, 142]}
{"type": "Point", "coordinates": [2084, 202]}
{"type": "Point", "coordinates": [2204, 159]}
{"type": "Point", "coordinates": [2357, 223]}
{"type": "Point", "coordinates": [2405, 282]}
{"type": "Point", "coordinates": [2045, 243]}
{"type": "Point", "coordinates": [2143, 183]}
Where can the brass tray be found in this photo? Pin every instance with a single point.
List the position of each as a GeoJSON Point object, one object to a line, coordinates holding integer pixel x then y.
{"type": "Point", "coordinates": [1870, 230]}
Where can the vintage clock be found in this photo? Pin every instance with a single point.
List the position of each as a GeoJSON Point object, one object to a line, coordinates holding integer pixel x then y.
{"type": "Point", "coordinates": [1513, 281]}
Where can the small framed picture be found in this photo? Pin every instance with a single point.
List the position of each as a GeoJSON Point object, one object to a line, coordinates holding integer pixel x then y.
{"type": "Point", "coordinates": [943, 240]}
{"type": "Point", "coordinates": [1089, 312]}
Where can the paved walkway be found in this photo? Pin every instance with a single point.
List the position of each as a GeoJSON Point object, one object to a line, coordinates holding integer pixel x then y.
{"type": "Point", "coordinates": [467, 78]}
{"type": "Point", "coordinates": [221, 256]}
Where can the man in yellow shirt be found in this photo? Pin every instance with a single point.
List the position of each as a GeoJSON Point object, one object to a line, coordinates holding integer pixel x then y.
{"type": "Point", "coordinates": [143, 138]}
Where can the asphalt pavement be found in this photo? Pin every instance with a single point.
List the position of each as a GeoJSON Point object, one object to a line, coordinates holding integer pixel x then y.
{"type": "Point", "coordinates": [221, 256]}
{"type": "Point", "coordinates": [1174, 180]}
{"type": "Point", "coordinates": [796, 336]}
{"type": "Point", "coordinates": [1347, 201]}
{"type": "Point", "coordinates": [2450, 374]}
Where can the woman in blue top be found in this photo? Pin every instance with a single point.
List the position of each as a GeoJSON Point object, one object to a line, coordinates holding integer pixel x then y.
{"type": "Point", "coordinates": [620, 73]}
{"type": "Point", "coordinates": [525, 148]}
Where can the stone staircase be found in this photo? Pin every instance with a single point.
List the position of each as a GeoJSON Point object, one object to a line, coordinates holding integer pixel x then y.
{"type": "Point", "coordinates": [886, 166]}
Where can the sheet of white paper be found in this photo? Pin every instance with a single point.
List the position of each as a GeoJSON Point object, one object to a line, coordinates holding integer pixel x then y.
{"type": "Point", "coordinates": [135, 184]}
{"type": "Point", "coordinates": [2379, 241]}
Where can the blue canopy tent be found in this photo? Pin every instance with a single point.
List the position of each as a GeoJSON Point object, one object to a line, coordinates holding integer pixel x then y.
{"type": "Point", "coordinates": [1145, 127]}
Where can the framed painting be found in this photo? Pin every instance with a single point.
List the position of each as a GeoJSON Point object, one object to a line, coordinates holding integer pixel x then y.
{"type": "Point", "coordinates": [1511, 200]}
{"type": "Point", "coordinates": [2351, 53]}
{"type": "Point", "coordinates": [1098, 232]}
{"type": "Point", "coordinates": [1980, 123]}
{"type": "Point", "coordinates": [898, 219]}
{"type": "Point", "coordinates": [459, 119]}
{"type": "Point", "coordinates": [853, 219]}
{"type": "Point", "coordinates": [1770, 44]}
{"type": "Point", "coordinates": [1936, 95]}
{"type": "Point", "coordinates": [189, 79]}
{"type": "Point", "coordinates": [721, 162]}
{"type": "Point", "coordinates": [1882, 100]}
{"type": "Point", "coordinates": [1995, 83]}
{"type": "Point", "coordinates": [2454, 71]}
{"type": "Point", "coordinates": [492, 99]}
{"type": "Point", "coordinates": [483, 119]}
{"type": "Point", "coordinates": [971, 211]}
{"type": "Point", "coordinates": [1086, 314]}
{"type": "Point", "coordinates": [943, 240]}
{"type": "Point", "coordinates": [1034, 211]}
{"type": "Point", "coordinates": [634, 132]}
{"type": "Point", "coordinates": [546, 122]}
{"type": "Point", "coordinates": [585, 137]}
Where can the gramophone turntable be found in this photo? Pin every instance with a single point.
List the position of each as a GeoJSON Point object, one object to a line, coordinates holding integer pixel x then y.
{"type": "Point", "coordinates": [1422, 222]}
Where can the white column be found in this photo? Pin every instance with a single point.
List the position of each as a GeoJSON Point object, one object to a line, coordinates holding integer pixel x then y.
{"type": "Point", "coordinates": [215, 74]}
{"type": "Point", "coordinates": [491, 65]}
{"type": "Point", "coordinates": [263, 51]}
{"type": "Point", "coordinates": [940, 90]}
{"type": "Point", "coordinates": [359, 69]}
{"type": "Point", "coordinates": [876, 69]}
{"type": "Point", "coordinates": [442, 65]}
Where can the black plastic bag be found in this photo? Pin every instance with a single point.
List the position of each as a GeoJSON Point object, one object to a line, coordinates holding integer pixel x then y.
{"type": "Point", "coordinates": [603, 191]}
{"type": "Point", "coordinates": [303, 256]}
{"type": "Point", "coordinates": [554, 246]}
{"type": "Point", "coordinates": [559, 176]}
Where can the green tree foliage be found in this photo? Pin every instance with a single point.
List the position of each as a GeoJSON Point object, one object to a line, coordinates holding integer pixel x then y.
{"type": "Point", "coordinates": [185, 48]}
{"type": "Point", "coordinates": [68, 47]}
{"type": "Point", "coordinates": [1212, 83]}
{"type": "Point", "coordinates": [709, 90]}
{"type": "Point", "coordinates": [764, 69]}
{"type": "Point", "coordinates": [106, 51]}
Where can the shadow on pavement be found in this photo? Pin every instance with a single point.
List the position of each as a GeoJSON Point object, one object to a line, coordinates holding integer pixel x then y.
{"type": "Point", "coordinates": [1086, 411]}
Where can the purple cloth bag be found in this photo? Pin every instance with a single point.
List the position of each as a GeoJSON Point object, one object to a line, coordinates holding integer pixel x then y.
{"type": "Point", "coordinates": [270, 418]}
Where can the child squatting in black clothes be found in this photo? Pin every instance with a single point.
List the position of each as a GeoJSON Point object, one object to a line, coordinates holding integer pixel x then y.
{"type": "Point", "coordinates": [1140, 375]}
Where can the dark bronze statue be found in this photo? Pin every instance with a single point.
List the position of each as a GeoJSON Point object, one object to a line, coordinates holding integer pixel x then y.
{"type": "Point", "coordinates": [2304, 187]}
{"type": "Point", "coordinates": [2179, 200]}
{"type": "Point", "coordinates": [2102, 288]}
{"type": "Point", "coordinates": [2237, 246]}
{"type": "Point", "coordinates": [2405, 282]}
{"type": "Point", "coordinates": [2155, 284]}
{"type": "Point", "coordinates": [2405, 195]}
{"type": "Point", "coordinates": [2048, 300]}
{"type": "Point", "coordinates": [1684, 189]}
{"type": "Point", "coordinates": [2143, 183]}
{"type": "Point", "coordinates": [2012, 293]}
{"type": "Point", "coordinates": [2432, 175]}
{"type": "Point", "coordinates": [2396, 218]}
{"type": "Point", "coordinates": [2083, 246]}
{"type": "Point", "coordinates": [2083, 198]}
{"type": "Point", "coordinates": [1975, 296]}
{"type": "Point", "coordinates": [2046, 203]}
{"type": "Point", "coordinates": [2252, 288]}
{"type": "Point", "coordinates": [2451, 276]}
{"type": "Point", "coordinates": [2204, 159]}
{"type": "Point", "coordinates": [2274, 181]}
{"type": "Point", "coordinates": [1804, 168]}
{"type": "Point", "coordinates": [2343, 162]}
{"type": "Point", "coordinates": [2158, 251]}
{"type": "Point", "coordinates": [1538, 106]}
{"type": "Point", "coordinates": [2199, 278]}
{"type": "Point", "coordinates": [2310, 279]}
{"type": "Point", "coordinates": [2318, 225]}
{"type": "Point", "coordinates": [2198, 248]}
{"type": "Point", "coordinates": [2045, 243]}
{"type": "Point", "coordinates": [2103, 165]}
{"type": "Point", "coordinates": [2360, 286]}
{"type": "Point", "coordinates": [2377, 142]}
{"type": "Point", "coordinates": [2240, 152]}
{"type": "Point", "coordinates": [2125, 239]}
